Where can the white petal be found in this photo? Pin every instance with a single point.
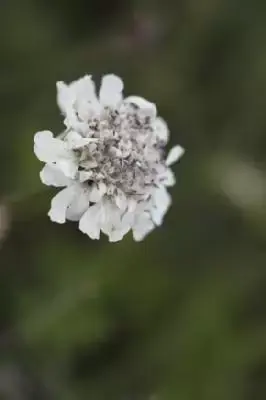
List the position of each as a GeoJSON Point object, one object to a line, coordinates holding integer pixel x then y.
{"type": "Point", "coordinates": [47, 148]}
{"type": "Point", "coordinates": [121, 200]}
{"type": "Point", "coordinates": [80, 90]}
{"type": "Point", "coordinates": [161, 129]}
{"type": "Point", "coordinates": [68, 166]}
{"type": "Point", "coordinates": [147, 107]}
{"type": "Point", "coordinates": [85, 175]}
{"type": "Point", "coordinates": [116, 235]}
{"type": "Point", "coordinates": [79, 205]}
{"type": "Point", "coordinates": [87, 104]}
{"type": "Point", "coordinates": [75, 140]}
{"type": "Point", "coordinates": [78, 102]}
{"type": "Point", "coordinates": [142, 227]}
{"type": "Point", "coordinates": [87, 109]}
{"type": "Point", "coordinates": [168, 178]}
{"type": "Point", "coordinates": [102, 188]}
{"type": "Point", "coordinates": [84, 89]}
{"type": "Point", "coordinates": [132, 204]}
{"type": "Point", "coordinates": [65, 98]}
{"type": "Point", "coordinates": [162, 199]}
{"type": "Point", "coordinates": [120, 225]}
{"type": "Point", "coordinates": [110, 218]}
{"type": "Point", "coordinates": [174, 154]}
{"type": "Point", "coordinates": [72, 122]}
{"type": "Point", "coordinates": [60, 204]}
{"type": "Point", "coordinates": [111, 90]}
{"type": "Point", "coordinates": [52, 176]}
{"type": "Point", "coordinates": [96, 193]}
{"type": "Point", "coordinates": [90, 221]}
{"type": "Point", "coordinates": [157, 215]}
{"type": "Point", "coordinates": [127, 220]}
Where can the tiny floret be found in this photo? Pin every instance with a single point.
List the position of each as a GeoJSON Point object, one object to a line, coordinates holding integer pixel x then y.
{"type": "Point", "coordinates": [110, 161]}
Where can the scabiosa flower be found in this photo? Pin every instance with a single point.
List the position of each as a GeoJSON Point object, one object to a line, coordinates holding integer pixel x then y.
{"type": "Point", "coordinates": [110, 161]}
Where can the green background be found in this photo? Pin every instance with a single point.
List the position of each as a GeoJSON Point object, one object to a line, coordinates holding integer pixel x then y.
{"type": "Point", "coordinates": [182, 315]}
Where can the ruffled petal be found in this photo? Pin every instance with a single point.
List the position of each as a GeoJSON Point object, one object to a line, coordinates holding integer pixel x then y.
{"type": "Point", "coordinates": [75, 140]}
{"type": "Point", "coordinates": [65, 98]}
{"type": "Point", "coordinates": [174, 154]}
{"type": "Point", "coordinates": [90, 221]}
{"type": "Point", "coordinates": [79, 205]}
{"type": "Point", "coordinates": [85, 175]}
{"type": "Point", "coordinates": [111, 90]}
{"type": "Point", "coordinates": [121, 200]}
{"type": "Point", "coordinates": [97, 192]}
{"type": "Point", "coordinates": [51, 176]}
{"type": "Point", "coordinates": [69, 167]}
{"type": "Point", "coordinates": [161, 129]}
{"type": "Point", "coordinates": [117, 235]}
{"type": "Point", "coordinates": [60, 204]}
{"type": "Point", "coordinates": [142, 227]}
{"type": "Point", "coordinates": [131, 205]}
{"type": "Point", "coordinates": [168, 178]}
{"type": "Point", "coordinates": [110, 217]}
{"type": "Point", "coordinates": [84, 89]}
{"type": "Point", "coordinates": [148, 108]}
{"type": "Point", "coordinates": [162, 199]}
{"type": "Point", "coordinates": [80, 90]}
{"type": "Point", "coordinates": [47, 148]}
{"type": "Point", "coordinates": [157, 215]}
{"type": "Point", "coordinates": [78, 102]}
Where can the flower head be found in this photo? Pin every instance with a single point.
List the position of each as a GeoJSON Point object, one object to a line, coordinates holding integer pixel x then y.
{"type": "Point", "coordinates": [110, 159]}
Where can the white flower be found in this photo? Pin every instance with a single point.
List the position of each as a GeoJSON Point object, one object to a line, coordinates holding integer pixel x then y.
{"type": "Point", "coordinates": [110, 161]}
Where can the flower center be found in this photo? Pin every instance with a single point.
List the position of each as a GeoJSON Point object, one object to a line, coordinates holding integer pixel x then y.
{"type": "Point", "coordinates": [127, 155]}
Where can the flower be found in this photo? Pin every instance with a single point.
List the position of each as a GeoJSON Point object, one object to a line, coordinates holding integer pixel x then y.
{"type": "Point", "coordinates": [110, 161]}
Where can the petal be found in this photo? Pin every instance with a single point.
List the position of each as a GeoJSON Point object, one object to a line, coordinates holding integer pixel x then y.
{"type": "Point", "coordinates": [148, 108]}
{"type": "Point", "coordinates": [132, 204]}
{"type": "Point", "coordinates": [174, 154]}
{"type": "Point", "coordinates": [65, 97]}
{"type": "Point", "coordinates": [96, 193]}
{"type": "Point", "coordinates": [90, 221]}
{"type": "Point", "coordinates": [69, 167]}
{"type": "Point", "coordinates": [102, 188]}
{"type": "Point", "coordinates": [73, 122]}
{"type": "Point", "coordinates": [85, 175]}
{"type": "Point", "coordinates": [110, 218]}
{"type": "Point", "coordinates": [142, 227]}
{"type": "Point", "coordinates": [78, 102]}
{"type": "Point", "coordinates": [86, 104]}
{"type": "Point", "coordinates": [75, 140]}
{"type": "Point", "coordinates": [111, 90]}
{"type": "Point", "coordinates": [117, 235]}
{"type": "Point", "coordinates": [87, 109]}
{"type": "Point", "coordinates": [162, 199]}
{"type": "Point", "coordinates": [161, 129]}
{"type": "Point", "coordinates": [60, 204]}
{"type": "Point", "coordinates": [127, 221]}
{"type": "Point", "coordinates": [82, 89]}
{"type": "Point", "coordinates": [79, 205]}
{"type": "Point", "coordinates": [168, 178]}
{"type": "Point", "coordinates": [157, 215]}
{"type": "Point", "coordinates": [52, 176]}
{"type": "Point", "coordinates": [47, 148]}
{"type": "Point", "coordinates": [121, 200]}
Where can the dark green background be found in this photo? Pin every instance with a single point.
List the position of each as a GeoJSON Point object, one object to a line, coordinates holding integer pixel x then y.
{"type": "Point", "coordinates": [182, 315]}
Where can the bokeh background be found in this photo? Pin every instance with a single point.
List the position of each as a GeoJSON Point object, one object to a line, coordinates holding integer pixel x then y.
{"type": "Point", "coordinates": [182, 315]}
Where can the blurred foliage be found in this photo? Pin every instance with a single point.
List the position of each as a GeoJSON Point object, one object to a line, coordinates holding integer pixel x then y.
{"type": "Point", "coordinates": [182, 315]}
